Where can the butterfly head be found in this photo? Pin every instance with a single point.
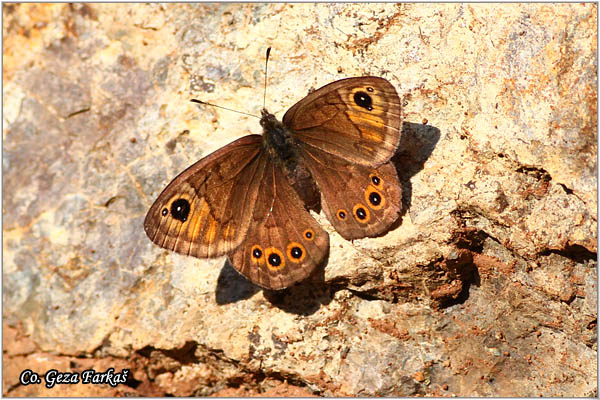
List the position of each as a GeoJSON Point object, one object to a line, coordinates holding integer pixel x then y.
{"type": "Point", "coordinates": [268, 121]}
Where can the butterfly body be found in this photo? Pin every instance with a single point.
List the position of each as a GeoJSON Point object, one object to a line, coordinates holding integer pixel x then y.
{"type": "Point", "coordinates": [278, 138]}
{"type": "Point", "coordinates": [284, 150]}
{"type": "Point", "coordinates": [250, 199]}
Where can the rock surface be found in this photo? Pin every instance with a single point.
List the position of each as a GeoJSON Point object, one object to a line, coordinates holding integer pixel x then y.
{"type": "Point", "coordinates": [486, 288]}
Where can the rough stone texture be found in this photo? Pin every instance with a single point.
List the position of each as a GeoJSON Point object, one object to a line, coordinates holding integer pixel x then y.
{"type": "Point", "coordinates": [486, 288]}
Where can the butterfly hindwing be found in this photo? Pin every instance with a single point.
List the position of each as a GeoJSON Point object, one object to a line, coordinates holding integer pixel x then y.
{"type": "Point", "coordinates": [284, 243]}
{"type": "Point", "coordinates": [359, 201]}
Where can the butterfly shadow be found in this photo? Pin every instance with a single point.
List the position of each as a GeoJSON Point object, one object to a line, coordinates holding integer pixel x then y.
{"type": "Point", "coordinates": [303, 298]}
{"type": "Point", "coordinates": [232, 286]}
{"type": "Point", "coordinates": [416, 145]}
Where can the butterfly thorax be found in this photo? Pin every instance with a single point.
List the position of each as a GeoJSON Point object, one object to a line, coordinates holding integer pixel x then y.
{"type": "Point", "coordinates": [277, 139]}
{"type": "Point", "coordinates": [284, 149]}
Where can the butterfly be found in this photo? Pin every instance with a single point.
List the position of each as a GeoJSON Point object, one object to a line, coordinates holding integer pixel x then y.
{"type": "Point", "coordinates": [249, 200]}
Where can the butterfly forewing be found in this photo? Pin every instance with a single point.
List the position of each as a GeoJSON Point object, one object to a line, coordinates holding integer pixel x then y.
{"type": "Point", "coordinates": [356, 119]}
{"type": "Point", "coordinates": [204, 211]}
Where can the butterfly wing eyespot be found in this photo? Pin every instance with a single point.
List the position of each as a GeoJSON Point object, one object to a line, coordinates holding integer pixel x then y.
{"type": "Point", "coordinates": [180, 209]}
{"type": "Point", "coordinates": [374, 198]}
{"type": "Point", "coordinates": [257, 254]}
{"type": "Point", "coordinates": [341, 214]}
{"type": "Point", "coordinates": [376, 180]}
{"type": "Point", "coordinates": [363, 100]}
{"type": "Point", "coordinates": [274, 258]}
{"type": "Point", "coordinates": [295, 252]}
{"type": "Point", "coordinates": [361, 213]}
{"type": "Point", "coordinates": [308, 234]}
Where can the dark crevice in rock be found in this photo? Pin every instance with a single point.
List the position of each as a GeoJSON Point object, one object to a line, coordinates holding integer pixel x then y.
{"type": "Point", "coordinates": [394, 290]}
{"type": "Point", "coordinates": [251, 378]}
{"type": "Point", "coordinates": [368, 295]}
{"type": "Point", "coordinates": [474, 241]}
{"type": "Point", "coordinates": [184, 355]}
{"type": "Point", "coordinates": [343, 283]}
{"type": "Point", "coordinates": [12, 387]}
{"type": "Point", "coordinates": [108, 202]}
{"type": "Point", "coordinates": [592, 324]}
{"type": "Point", "coordinates": [83, 110]}
{"type": "Point", "coordinates": [161, 361]}
{"type": "Point", "coordinates": [571, 192]}
{"type": "Point", "coordinates": [459, 265]}
{"type": "Point", "coordinates": [565, 188]}
{"type": "Point", "coordinates": [574, 252]}
{"type": "Point", "coordinates": [538, 173]}
{"type": "Point", "coordinates": [132, 382]}
{"type": "Point", "coordinates": [470, 239]}
{"type": "Point", "coordinates": [254, 378]}
{"type": "Point", "coordinates": [462, 273]}
{"type": "Point", "coordinates": [448, 278]}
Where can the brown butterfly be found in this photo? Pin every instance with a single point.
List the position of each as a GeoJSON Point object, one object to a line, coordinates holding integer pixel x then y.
{"type": "Point", "coordinates": [249, 199]}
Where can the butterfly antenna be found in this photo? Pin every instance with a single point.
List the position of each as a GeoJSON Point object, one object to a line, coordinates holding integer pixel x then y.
{"type": "Point", "coordinates": [266, 72]}
{"type": "Point", "coordinates": [224, 108]}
